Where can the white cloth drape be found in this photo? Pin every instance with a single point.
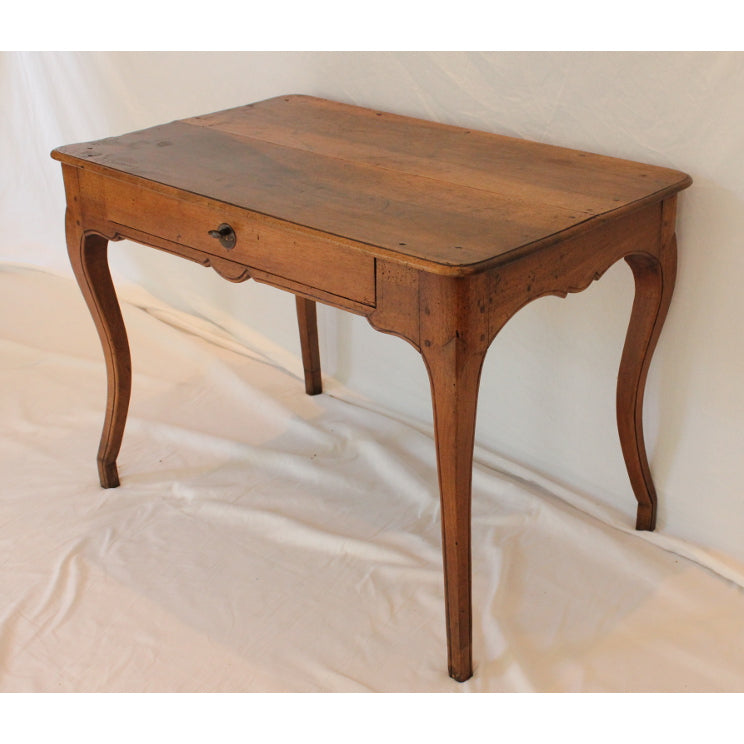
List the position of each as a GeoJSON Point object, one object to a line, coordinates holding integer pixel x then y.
{"type": "Point", "coordinates": [263, 540]}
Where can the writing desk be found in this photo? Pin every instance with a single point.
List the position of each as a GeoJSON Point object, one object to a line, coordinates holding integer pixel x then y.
{"type": "Point", "coordinates": [434, 233]}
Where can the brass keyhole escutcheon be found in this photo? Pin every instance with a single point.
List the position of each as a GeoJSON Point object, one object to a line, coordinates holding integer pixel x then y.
{"type": "Point", "coordinates": [225, 234]}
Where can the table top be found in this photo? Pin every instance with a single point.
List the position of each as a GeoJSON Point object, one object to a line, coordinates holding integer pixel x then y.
{"type": "Point", "coordinates": [424, 191]}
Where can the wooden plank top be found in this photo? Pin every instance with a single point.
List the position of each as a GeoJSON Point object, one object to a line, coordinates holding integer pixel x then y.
{"type": "Point", "coordinates": [424, 193]}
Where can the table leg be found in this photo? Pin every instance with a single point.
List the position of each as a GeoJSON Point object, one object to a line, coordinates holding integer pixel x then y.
{"type": "Point", "coordinates": [453, 349]}
{"type": "Point", "coordinates": [88, 256]}
{"type": "Point", "coordinates": [654, 283]}
{"type": "Point", "coordinates": [454, 388]}
{"type": "Point", "coordinates": [308, 322]}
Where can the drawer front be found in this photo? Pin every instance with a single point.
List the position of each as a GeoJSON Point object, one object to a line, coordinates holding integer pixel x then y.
{"type": "Point", "coordinates": [261, 242]}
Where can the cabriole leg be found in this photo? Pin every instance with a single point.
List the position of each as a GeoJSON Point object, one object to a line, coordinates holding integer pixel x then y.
{"type": "Point", "coordinates": [88, 256]}
{"type": "Point", "coordinates": [654, 283]}
{"type": "Point", "coordinates": [454, 347]}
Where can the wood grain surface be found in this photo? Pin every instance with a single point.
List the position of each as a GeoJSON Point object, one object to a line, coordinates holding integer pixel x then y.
{"type": "Point", "coordinates": [424, 192]}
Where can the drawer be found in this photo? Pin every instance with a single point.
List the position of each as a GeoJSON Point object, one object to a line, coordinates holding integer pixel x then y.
{"type": "Point", "coordinates": [291, 252]}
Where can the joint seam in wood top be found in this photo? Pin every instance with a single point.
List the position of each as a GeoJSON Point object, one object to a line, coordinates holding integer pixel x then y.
{"type": "Point", "coordinates": [399, 171]}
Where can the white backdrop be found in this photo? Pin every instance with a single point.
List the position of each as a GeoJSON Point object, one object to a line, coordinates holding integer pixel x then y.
{"type": "Point", "coordinates": [547, 397]}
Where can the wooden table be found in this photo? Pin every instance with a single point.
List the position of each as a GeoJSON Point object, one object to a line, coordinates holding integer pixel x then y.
{"type": "Point", "coordinates": [434, 233]}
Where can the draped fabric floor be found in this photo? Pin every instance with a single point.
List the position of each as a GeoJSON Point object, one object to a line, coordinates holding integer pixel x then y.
{"type": "Point", "coordinates": [263, 540]}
